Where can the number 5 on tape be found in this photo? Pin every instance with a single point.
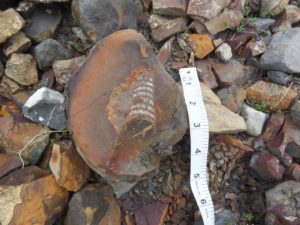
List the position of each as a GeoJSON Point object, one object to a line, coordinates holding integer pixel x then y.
{"type": "Point", "coordinates": [199, 134]}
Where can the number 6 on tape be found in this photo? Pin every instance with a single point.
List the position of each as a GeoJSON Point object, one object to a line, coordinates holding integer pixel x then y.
{"type": "Point", "coordinates": [199, 134]}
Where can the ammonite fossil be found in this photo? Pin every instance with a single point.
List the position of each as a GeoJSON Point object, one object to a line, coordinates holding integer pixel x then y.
{"type": "Point", "coordinates": [124, 109]}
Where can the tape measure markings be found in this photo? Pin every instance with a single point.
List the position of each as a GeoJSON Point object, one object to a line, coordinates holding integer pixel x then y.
{"type": "Point", "coordinates": [199, 135]}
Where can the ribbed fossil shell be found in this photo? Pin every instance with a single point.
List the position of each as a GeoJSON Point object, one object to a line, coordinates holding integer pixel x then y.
{"type": "Point", "coordinates": [122, 103]}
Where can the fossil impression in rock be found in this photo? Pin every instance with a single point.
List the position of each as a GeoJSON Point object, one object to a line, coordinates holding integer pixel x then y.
{"type": "Point", "coordinates": [125, 111]}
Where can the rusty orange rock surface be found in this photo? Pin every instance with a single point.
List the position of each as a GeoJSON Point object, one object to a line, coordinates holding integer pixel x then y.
{"type": "Point", "coordinates": [39, 202]}
{"type": "Point", "coordinates": [201, 45]}
{"type": "Point", "coordinates": [274, 96]}
{"type": "Point", "coordinates": [69, 169]}
{"type": "Point", "coordinates": [124, 108]}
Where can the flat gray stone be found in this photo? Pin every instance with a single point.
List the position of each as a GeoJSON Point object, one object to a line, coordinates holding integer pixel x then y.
{"type": "Point", "coordinates": [46, 106]}
{"type": "Point", "coordinates": [283, 52]}
{"type": "Point", "coordinates": [279, 77]}
{"type": "Point", "coordinates": [263, 23]}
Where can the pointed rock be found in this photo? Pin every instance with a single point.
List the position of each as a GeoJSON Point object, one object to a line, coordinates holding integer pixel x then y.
{"type": "Point", "coordinates": [68, 168]}
{"type": "Point", "coordinates": [94, 204]}
{"type": "Point", "coordinates": [130, 110]}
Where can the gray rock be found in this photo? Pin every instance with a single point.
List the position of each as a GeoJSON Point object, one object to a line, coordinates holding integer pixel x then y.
{"type": "Point", "coordinates": [43, 24]}
{"type": "Point", "coordinates": [279, 77]}
{"type": "Point", "coordinates": [264, 23]}
{"type": "Point", "coordinates": [283, 52]}
{"type": "Point", "coordinates": [224, 217]}
{"type": "Point", "coordinates": [283, 203]}
{"type": "Point", "coordinates": [255, 120]}
{"type": "Point", "coordinates": [99, 18]}
{"type": "Point", "coordinates": [223, 52]}
{"type": "Point", "coordinates": [49, 51]}
{"type": "Point", "coordinates": [295, 113]}
{"type": "Point", "coordinates": [46, 106]}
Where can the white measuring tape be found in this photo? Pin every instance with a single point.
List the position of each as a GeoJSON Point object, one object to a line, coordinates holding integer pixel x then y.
{"type": "Point", "coordinates": [199, 134]}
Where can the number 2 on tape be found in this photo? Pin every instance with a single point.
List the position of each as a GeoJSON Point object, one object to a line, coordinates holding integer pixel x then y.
{"type": "Point", "coordinates": [199, 143]}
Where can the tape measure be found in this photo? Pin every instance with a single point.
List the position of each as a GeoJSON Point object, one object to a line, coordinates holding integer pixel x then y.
{"type": "Point", "coordinates": [199, 135]}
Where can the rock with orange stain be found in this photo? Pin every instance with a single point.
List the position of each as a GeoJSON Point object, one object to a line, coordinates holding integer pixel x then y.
{"type": "Point", "coordinates": [39, 202]}
{"type": "Point", "coordinates": [95, 205]}
{"type": "Point", "coordinates": [126, 113]}
{"type": "Point", "coordinates": [201, 45]}
{"type": "Point", "coordinates": [67, 166]}
{"type": "Point", "coordinates": [99, 18]}
{"type": "Point", "coordinates": [273, 96]}
{"type": "Point", "coordinates": [19, 134]}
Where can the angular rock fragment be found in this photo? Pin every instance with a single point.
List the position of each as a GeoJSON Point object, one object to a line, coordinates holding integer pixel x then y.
{"type": "Point", "coordinates": [282, 204]}
{"type": "Point", "coordinates": [279, 77]}
{"type": "Point", "coordinates": [267, 166]}
{"type": "Point", "coordinates": [229, 18]}
{"type": "Point", "coordinates": [10, 23]}
{"type": "Point", "coordinates": [9, 163]}
{"type": "Point", "coordinates": [18, 134]}
{"type": "Point", "coordinates": [64, 69]}
{"type": "Point", "coordinates": [165, 51]}
{"type": "Point", "coordinates": [254, 119]}
{"type": "Point", "coordinates": [274, 125]}
{"type": "Point", "coordinates": [152, 214]}
{"type": "Point", "coordinates": [94, 204]}
{"type": "Point", "coordinates": [100, 18]}
{"type": "Point", "coordinates": [294, 172]}
{"type": "Point", "coordinates": [206, 9]}
{"type": "Point", "coordinates": [201, 45]}
{"type": "Point", "coordinates": [124, 112]}
{"type": "Point", "coordinates": [170, 7]}
{"type": "Point", "coordinates": [283, 52]}
{"type": "Point", "coordinates": [234, 73]}
{"type": "Point", "coordinates": [43, 24]}
{"type": "Point", "coordinates": [257, 48]}
{"type": "Point", "coordinates": [233, 98]}
{"type": "Point", "coordinates": [223, 52]}
{"type": "Point", "coordinates": [295, 113]}
{"type": "Point", "coordinates": [292, 137]}
{"type": "Point", "coordinates": [49, 51]}
{"type": "Point", "coordinates": [16, 44]}
{"type": "Point", "coordinates": [42, 201]}
{"type": "Point", "coordinates": [220, 119]}
{"type": "Point", "coordinates": [273, 96]}
{"type": "Point", "coordinates": [205, 72]}
{"type": "Point", "coordinates": [8, 87]}
{"type": "Point", "coordinates": [264, 23]}
{"type": "Point", "coordinates": [162, 28]}
{"type": "Point", "coordinates": [46, 106]}
{"type": "Point", "coordinates": [68, 168]}
{"type": "Point", "coordinates": [22, 69]}
{"type": "Point", "coordinates": [273, 7]}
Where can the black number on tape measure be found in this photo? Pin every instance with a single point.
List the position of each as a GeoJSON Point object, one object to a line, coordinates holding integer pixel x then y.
{"type": "Point", "coordinates": [192, 103]}
{"type": "Point", "coordinates": [196, 124]}
{"type": "Point", "coordinates": [203, 201]}
{"type": "Point", "coordinates": [189, 83]}
{"type": "Point", "coordinates": [196, 175]}
{"type": "Point", "coordinates": [197, 151]}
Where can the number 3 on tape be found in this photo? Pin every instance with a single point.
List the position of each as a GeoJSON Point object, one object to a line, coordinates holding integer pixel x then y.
{"type": "Point", "coordinates": [199, 134]}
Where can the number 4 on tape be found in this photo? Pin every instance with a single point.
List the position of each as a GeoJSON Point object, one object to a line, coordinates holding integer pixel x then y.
{"type": "Point", "coordinates": [199, 134]}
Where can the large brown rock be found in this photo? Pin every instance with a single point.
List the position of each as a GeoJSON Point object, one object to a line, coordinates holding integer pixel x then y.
{"type": "Point", "coordinates": [94, 205]}
{"type": "Point", "coordinates": [67, 166]}
{"type": "Point", "coordinates": [126, 112]}
{"type": "Point", "coordinates": [273, 96]}
{"type": "Point", "coordinates": [41, 201]}
{"type": "Point", "coordinates": [100, 18]}
{"type": "Point", "coordinates": [9, 163]}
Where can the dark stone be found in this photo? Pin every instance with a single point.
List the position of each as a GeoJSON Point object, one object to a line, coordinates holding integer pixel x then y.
{"type": "Point", "coordinates": [295, 113]}
{"type": "Point", "coordinates": [279, 77]}
{"type": "Point", "coordinates": [99, 18]}
{"type": "Point", "coordinates": [46, 106]}
{"type": "Point", "coordinates": [49, 51]}
{"type": "Point", "coordinates": [43, 24]}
